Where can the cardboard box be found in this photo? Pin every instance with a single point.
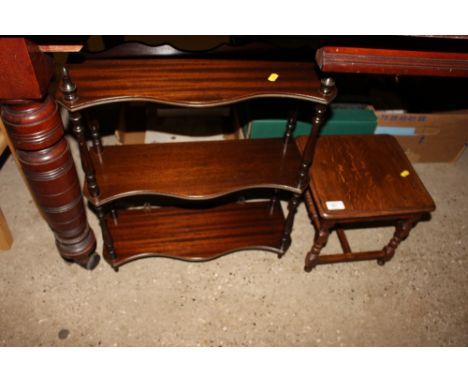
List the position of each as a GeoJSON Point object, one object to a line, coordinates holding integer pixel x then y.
{"type": "Point", "coordinates": [145, 123]}
{"type": "Point", "coordinates": [132, 124]}
{"type": "Point", "coordinates": [427, 137]}
{"type": "Point", "coordinates": [343, 120]}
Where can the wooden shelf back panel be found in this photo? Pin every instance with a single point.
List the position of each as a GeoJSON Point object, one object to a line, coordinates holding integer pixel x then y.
{"type": "Point", "coordinates": [195, 170]}
{"type": "Point", "coordinates": [195, 234]}
{"type": "Point", "coordinates": [191, 82]}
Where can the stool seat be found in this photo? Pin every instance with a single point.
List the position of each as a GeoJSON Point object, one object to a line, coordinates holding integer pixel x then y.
{"type": "Point", "coordinates": [361, 178]}
{"type": "Point", "coordinates": [356, 176]}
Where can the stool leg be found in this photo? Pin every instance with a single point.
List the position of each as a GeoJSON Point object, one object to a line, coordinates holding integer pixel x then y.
{"type": "Point", "coordinates": [402, 230]}
{"type": "Point", "coordinates": [320, 240]}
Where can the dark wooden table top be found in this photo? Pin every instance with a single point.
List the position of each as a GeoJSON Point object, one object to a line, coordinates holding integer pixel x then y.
{"type": "Point", "coordinates": [369, 174]}
{"type": "Point", "coordinates": [194, 82]}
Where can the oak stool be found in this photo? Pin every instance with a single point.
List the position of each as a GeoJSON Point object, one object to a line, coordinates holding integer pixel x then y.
{"type": "Point", "coordinates": [361, 179]}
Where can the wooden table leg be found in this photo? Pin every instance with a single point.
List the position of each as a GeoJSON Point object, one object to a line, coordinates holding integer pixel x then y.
{"type": "Point", "coordinates": [6, 240]}
{"type": "Point", "coordinates": [37, 133]}
{"type": "Point", "coordinates": [320, 240]}
{"type": "Point", "coordinates": [15, 156]}
{"type": "Point", "coordinates": [402, 230]}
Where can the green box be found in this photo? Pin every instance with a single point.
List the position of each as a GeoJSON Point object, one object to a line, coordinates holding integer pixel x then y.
{"type": "Point", "coordinates": [341, 121]}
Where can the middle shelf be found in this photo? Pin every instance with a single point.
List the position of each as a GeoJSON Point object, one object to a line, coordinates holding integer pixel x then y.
{"type": "Point", "coordinates": [194, 170]}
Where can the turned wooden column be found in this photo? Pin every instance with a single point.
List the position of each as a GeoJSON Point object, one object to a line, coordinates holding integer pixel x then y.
{"type": "Point", "coordinates": [33, 123]}
{"type": "Point", "coordinates": [327, 87]}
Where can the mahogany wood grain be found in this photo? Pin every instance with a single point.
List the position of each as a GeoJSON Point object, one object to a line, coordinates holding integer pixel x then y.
{"type": "Point", "coordinates": [25, 71]}
{"type": "Point", "coordinates": [364, 172]}
{"type": "Point", "coordinates": [194, 170]}
{"type": "Point", "coordinates": [195, 234]}
{"type": "Point", "coordinates": [394, 62]}
{"type": "Point", "coordinates": [36, 131]}
{"type": "Point", "coordinates": [193, 82]}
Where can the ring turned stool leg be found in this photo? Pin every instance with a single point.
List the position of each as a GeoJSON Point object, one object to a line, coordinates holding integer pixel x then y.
{"type": "Point", "coordinates": [320, 240]}
{"type": "Point", "coordinates": [402, 230]}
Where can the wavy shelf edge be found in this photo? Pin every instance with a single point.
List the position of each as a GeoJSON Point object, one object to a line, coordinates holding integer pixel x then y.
{"type": "Point", "coordinates": [173, 232]}
{"type": "Point", "coordinates": [191, 82]}
{"type": "Point", "coordinates": [192, 259]}
{"type": "Point", "coordinates": [101, 202]}
{"type": "Point", "coordinates": [209, 170]}
{"type": "Point", "coordinates": [105, 101]}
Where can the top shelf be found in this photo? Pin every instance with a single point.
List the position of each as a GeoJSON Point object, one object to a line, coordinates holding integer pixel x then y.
{"type": "Point", "coordinates": [194, 82]}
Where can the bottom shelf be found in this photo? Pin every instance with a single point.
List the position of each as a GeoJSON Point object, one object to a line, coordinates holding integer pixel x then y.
{"type": "Point", "coordinates": [195, 234]}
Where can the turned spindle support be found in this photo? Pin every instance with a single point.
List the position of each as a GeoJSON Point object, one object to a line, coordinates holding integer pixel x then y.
{"type": "Point", "coordinates": [291, 125]}
{"type": "Point", "coordinates": [307, 157]}
{"type": "Point", "coordinates": [86, 162]}
{"type": "Point", "coordinates": [90, 174]}
{"type": "Point", "coordinates": [96, 137]}
{"type": "Point", "coordinates": [327, 87]}
{"type": "Point", "coordinates": [106, 235]}
{"type": "Point", "coordinates": [288, 225]}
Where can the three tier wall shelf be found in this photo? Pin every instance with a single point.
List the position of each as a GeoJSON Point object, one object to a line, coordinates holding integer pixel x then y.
{"type": "Point", "coordinates": [198, 220]}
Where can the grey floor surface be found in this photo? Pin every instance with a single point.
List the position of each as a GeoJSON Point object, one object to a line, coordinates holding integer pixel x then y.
{"type": "Point", "coordinates": [248, 298]}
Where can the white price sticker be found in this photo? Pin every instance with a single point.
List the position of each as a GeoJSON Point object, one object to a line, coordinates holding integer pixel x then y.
{"type": "Point", "coordinates": [335, 205]}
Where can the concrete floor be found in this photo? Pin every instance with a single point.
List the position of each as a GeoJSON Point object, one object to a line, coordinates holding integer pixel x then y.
{"type": "Point", "coordinates": [248, 298]}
